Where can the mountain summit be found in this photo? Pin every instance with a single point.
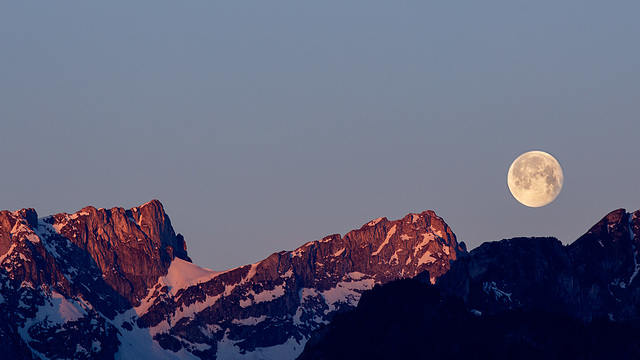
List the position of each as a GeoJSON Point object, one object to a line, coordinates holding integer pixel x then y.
{"type": "Point", "coordinates": [116, 283]}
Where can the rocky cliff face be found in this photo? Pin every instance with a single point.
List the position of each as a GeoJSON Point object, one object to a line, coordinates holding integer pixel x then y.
{"type": "Point", "coordinates": [118, 283]}
{"type": "Point", "coordinates": [594, 277]}
{"type": "Point", "coordinates": [67, 276]}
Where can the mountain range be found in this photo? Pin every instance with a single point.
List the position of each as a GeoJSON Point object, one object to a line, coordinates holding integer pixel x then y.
{"type": "Point", "coordinates": [522, 298]}
{"type": "Point", "coordinates": [117, 283]}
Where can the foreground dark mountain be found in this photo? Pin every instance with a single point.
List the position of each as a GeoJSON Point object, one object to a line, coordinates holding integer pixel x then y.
{"type": "Point", "coordinates": [517, 298]}
{"type": "Point", "coordinates": [593, 277]}
{"type": "Point", "coordinates": [103, 284]}
{"type": "Point", "coordinates": [410, 319]}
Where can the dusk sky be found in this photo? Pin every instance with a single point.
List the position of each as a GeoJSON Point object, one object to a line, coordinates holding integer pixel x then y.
{"type": "Point", "coordinates": [261, 125]}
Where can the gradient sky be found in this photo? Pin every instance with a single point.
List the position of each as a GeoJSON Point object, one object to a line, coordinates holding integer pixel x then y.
{"type": "Point", "coordinates": [263, 125]}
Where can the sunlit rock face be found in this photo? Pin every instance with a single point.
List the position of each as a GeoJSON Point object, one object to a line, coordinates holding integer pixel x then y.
{"type": "Point", "coordinates": [594, 277]}
{"type": "Point", "coordinates": [105, 283]}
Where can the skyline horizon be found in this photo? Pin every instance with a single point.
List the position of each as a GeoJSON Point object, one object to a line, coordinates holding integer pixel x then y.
{"type": "Point", "coordinates": [342, 235]}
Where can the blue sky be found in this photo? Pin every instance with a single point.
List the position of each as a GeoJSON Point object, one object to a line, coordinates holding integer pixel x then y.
{"type": "Point", "coordinates": [264, 125]}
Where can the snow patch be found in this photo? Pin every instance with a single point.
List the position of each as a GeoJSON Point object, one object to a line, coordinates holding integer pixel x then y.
{"type": "Point", "coordinates": [65, 310]}
{"type": "Point", "coordinates": [291, 349]}
{"type": "Point", "coordinates": [45, 231]}
{"type": "Point", "coordinates": [250, 274]}
{"type": "Point", "coordinates": [33, 237]}
{"type": "Point", "coordinates": [191, 310]}
{"type": "Point", "coordinates": [426, 238]}
{"type": "Point", "coordinates": [264, 296]}
{"type": "Point", "coordinates": [183, 274]}
{"type": "Point", "coordinates": [426, 259]}
{"type": "Point", "coordinates": [78, 214]}
{"type": "Point", "coordinates": [287, 274]}
{"type": "Point", "coordinates": [268, 295]}
{"type": "Point", "coordinates": [346, 292]}
{"type": "Point", "coordinates": [492, 287]}
{"type": "Point", "coordinates": [297, 317]}
{"type": "Point", "coordinates": [96, 346]}
{"type": "Point", "coordinates": [386, 240]}
{"type": "Point", "coordinates": [56, 310]}
{"type": "Point", "coordinates": [298, 252]}
{"type": "Point", "coordinates": [13, 246]}
{"type": "Point", "coordinates": [59, 225]}
{"type": "Point", "coordinates": [356, 275]}
{"type": "Point", "coordinates": [20, 228]}
{"type": "Point", "coordinates": [308, 293]}
{"type": "Point", "coordinates": [374, 222]}
{"type": "Point", "coordinates": [249, 321]}
{"type": "Point", "coordinates": [636, 266]}
{"type": "Point", "coordinates": [139, 344]}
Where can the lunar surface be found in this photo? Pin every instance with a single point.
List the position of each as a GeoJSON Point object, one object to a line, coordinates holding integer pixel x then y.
{"type": "Point", "coordinates": [535, 178]}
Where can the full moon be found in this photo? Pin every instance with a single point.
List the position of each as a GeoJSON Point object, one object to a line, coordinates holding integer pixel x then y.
{"type": "Point", "coordinates": [535, 178]}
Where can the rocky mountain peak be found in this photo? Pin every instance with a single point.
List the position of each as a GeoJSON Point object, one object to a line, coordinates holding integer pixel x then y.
{"type": "Point", "coordinates": [405, 247]}
{"type": "Point", "coordinates": [127, 249]}
{"type": "Point", "coordinates": [13, 222]}
{"type": "Point", "coordinates": [615, 232]}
